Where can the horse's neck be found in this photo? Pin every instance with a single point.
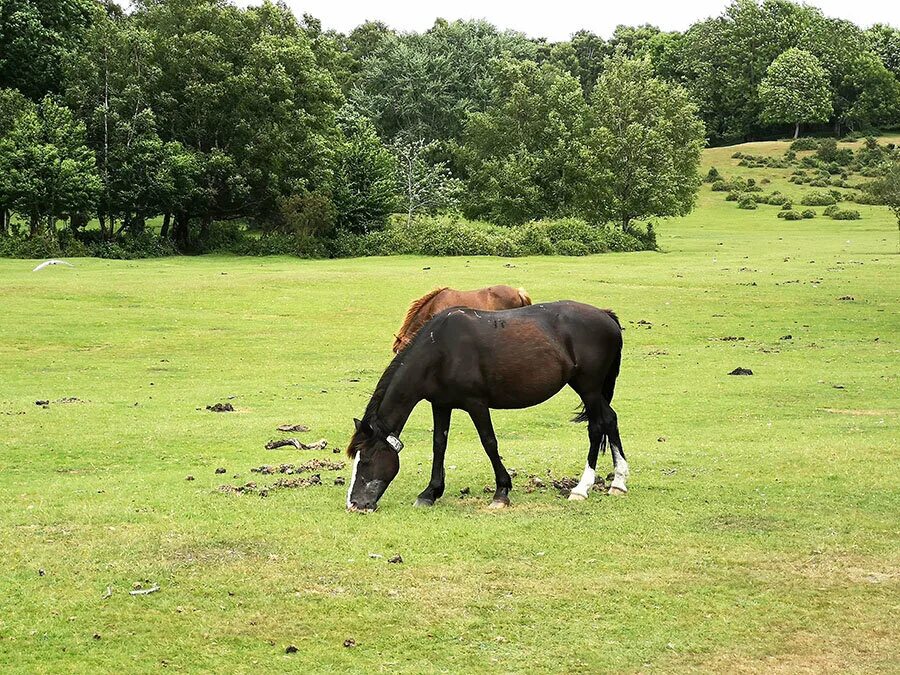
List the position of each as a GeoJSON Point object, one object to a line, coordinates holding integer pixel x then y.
{"type": "Point", "coordinates": [425, 313]}
{"type": "Point", "coordinates": [401, 396]}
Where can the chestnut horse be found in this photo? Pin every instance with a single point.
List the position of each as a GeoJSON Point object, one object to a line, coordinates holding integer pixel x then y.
{"type": "Point", "coordinates": [421, 310]}
{"type": "Point", "coordinates": [475, 360]}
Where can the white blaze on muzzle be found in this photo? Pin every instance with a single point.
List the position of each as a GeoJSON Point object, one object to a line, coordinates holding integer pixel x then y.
{"type": "Point", "coordinates": [353, 477]}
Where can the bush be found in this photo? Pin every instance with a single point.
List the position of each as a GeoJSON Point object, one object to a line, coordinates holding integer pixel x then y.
{"type": "Point", "coordinates": [720, 186]}
{"type": "Point", "coordinates": [712, 175]}
{"type": "Point", "coordinates": [818, 199]}
{"type": "Point", "coordinates": [732, 196]}
{"type": "Point", "coordinates": [831, 210]}
{"type": "Point", "coordinates": [571, 247]}
{"type": "Point", "coordinates": [747, 202]}
{"type": "Point", "coordinates": [737, 155]}
{"type": "Point", "coordinates": [790, 215]}
{"type": "Point", "coordinates": [808, 213]}
{"type": "Point", "coordinates": [805, 144]}
{"type": "Point", "coordinates": [845, 214]}
{"type": "Point", "coordinates": [776, 199]}
{"type": "Point", "coordinates": [787, 206]}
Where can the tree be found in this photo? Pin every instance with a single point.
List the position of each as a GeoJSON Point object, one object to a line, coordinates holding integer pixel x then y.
{"type": "Point", "coordinates": [885, 42]}
{"type": "Point", "coordinates": [12, 106]}
{"type": "Point", "coordinates": [35, 37]}
{"type": "Point", "coordinates": [522, 155]}
{"type": "Point", "coordinates": [46, 170]}
{"type": "Point", "coordinates": [643, 148]}
{"type": "Point", "coordinates": [426, 186]}
{"type": "Point", "coordinates": [795, 89]}
{"type": "Point", "coordinates": [424, 85]}
{"type": "Point", "coordinates": [886, 189]}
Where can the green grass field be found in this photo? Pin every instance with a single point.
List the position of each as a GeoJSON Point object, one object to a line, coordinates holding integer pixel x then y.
{"type": "Point", "coordinates": [760, 532]}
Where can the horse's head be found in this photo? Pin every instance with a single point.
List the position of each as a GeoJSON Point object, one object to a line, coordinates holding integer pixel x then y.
{"type": "Point", "coordinates": [376, 462]}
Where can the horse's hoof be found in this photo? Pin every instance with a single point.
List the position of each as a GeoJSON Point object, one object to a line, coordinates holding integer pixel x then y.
{"type": "Point", "coordinates": [423, 502]}
{"type": "Point", "coordinates": [576, 497]}
{"type": "Point", "coordinates": [617, 491]}
{"type": "Point", "coordinates": [499, 504]}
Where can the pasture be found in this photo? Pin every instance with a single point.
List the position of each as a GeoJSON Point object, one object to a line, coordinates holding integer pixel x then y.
{"type": "Point", "coordinates": [759, 533]}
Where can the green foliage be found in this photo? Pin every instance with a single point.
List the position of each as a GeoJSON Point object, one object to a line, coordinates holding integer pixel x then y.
{"type": "Point", "coordinates": [643, 148]}
{"type": "Point", "coordinates": [805, 143]}
{"type": "Point", "coordinates": [790, 215]}
{"type": "Point", "coordinates": [818, 199]}
{"type": "Point", "coordinates": [795, 90]}
{"type": "Point", "coordinates": [808, 213]}
{"type": "Point", "coordinates": [366, 177]}
{"type": "Point", "coordinates": [712, 176]}
{"type": "Point", "coordinates": [46, 170]}
{"type": "Point", "coordinates": [426, 185]}
{"type": "Point", "coordinates": [447, 236]}
{"type": "Point", "coordinates": [845, 214]}
{"type": "Point", "coordinates": [522, 154]}
{"type": "Point", "coordinates": [747, 202]}
{"type": "Point", "coordinates": [886, 190]}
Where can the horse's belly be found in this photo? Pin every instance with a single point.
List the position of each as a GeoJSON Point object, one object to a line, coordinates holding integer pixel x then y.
{"type": "Point", "coordinates": [526, 377]}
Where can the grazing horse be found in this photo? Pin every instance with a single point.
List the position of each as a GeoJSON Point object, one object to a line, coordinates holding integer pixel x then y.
{"type": "Point", "coordinates": [422, 310]}
{"type": "Point", "coordinates": [477, 360]}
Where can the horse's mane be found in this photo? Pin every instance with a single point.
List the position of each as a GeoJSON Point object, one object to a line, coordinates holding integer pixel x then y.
{"type": "Point", "coordinates": [413, 311]}
{"type": "Point", "coordinates": [370, 416]}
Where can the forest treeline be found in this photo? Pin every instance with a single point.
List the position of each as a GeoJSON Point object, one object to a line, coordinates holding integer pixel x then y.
{"type": "Point", "coordinates": [199, 112]}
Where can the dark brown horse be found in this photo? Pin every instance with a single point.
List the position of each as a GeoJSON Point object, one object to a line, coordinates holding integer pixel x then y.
{"type": "Point", "coordinates": [476, 360]}
{"type": "Point", "coordinates": [422, 310]}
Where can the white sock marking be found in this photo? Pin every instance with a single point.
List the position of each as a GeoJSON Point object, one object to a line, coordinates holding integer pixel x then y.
{"type": "Point", "coordinates": [352, 478]}
{"type": "Point", "coordinates": [586, 482]}
{"type": "Point", "coordinates": [621, 474]}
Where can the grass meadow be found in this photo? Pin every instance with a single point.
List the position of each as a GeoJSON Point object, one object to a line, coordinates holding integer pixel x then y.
{"type": "Point", "coordinates": [760, 532]}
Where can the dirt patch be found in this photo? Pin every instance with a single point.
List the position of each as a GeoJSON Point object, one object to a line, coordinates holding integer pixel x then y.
{"type": "Point", "coordinates": [311, 465]}
{"type": "Point", "coordinates": [729, 338]}
{"type": "Point", "coordinates": [741, 371]}
{"type": "Point", "coordinates": [320, 444]}
{"type": "Point", "coordinates": [220, 407]}
{"type": "Point", "coordinates": [293, 428]}
{"type": "Point", "coordinates": [281, 484]}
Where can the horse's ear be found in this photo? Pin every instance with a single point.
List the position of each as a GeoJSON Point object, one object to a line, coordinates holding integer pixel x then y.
{"type": "Point", "coordinates": [357, 423]}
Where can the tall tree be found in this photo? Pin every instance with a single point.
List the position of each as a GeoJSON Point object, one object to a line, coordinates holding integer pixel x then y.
{"type": "Point", "coordinates": [426, 185]}
{"type": "Point", "coordinates": [34, 38]}
{"type": "Point", "coordinates": [46, 170]}
{"type": "Point", "coordinates": [643, 148]}
{"type": "Point", "coordinates": [795, 90]}
{"type": "Point", "coordinates": [522, 154]}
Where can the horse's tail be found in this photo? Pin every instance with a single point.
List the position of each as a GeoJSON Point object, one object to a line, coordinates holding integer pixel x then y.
{"type": "Point", "coordinates": [524, 297]}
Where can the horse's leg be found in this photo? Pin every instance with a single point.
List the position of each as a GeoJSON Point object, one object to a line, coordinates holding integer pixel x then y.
{"type": "Point", "coordinates": [595, 436]}
{"type": "Point", "coordinates": [436, 485]}
{"type": "Point", "coordinates": [620, 465]}
{"type": "Point", "coordinates": [481, 417]}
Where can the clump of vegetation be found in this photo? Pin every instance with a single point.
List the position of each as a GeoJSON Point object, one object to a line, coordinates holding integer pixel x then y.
{"type": "Point", "coordinates": [790, 215]}
{"type": "Point", "coordinates": [845, 214]}
{"type": "Point", "coordinates": [808, 213]}
{"type": "Point", "coordinates": [712, 175]}
{"type": "Point", "coordinates": [720, 186]}
{"type": "Point", "coordinates": [747, 202]}
{"type": "Point", "coordinates": [805, 143]}
{"type": "Point", "coordinates": [818, 199]}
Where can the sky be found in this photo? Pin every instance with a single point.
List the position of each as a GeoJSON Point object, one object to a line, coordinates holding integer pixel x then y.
{"type": "Point", "coordinates": [558, 19]}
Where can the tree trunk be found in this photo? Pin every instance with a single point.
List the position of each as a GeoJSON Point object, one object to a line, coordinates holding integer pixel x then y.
{"type": "Point", "coordinates": [796, 130]}
{"type": "Point", "coordinates": [4, 218]}
{"type": "Point", "coordinates": [164, 230]}
{"type": "Point", "coordinates": [35, 223]}
{"type": "Point", "coordinates": [182, 231]}
{"type": "Point", "coordinates": [204, 228]}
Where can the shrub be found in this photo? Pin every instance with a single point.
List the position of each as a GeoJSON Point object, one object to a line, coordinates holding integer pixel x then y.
{"type": "Point", "coordinates": [747, 202]}
{"type": "Point", "coordinates": [720, 186]}
{"type": "Point", "coordinates": [776, 199]}
{"type": "Point", "coordinates": [791, 215]}
{"type": "Point", "coordinates": [732, 196]}
{"type": "Point", "coordinates": [818, 199]}
{"type": "Point", "coordinates": [571, 247]}
{"type": "Point", "coordinates": [845, 214]}
{"type": "Point", "coordinates": [831, 210]}
{"type": "Point", "coordinates": [712, 175]}
{"type": "Point", "coordinates": [808, 213]}
{"type": "Point", "coordinates": [790, 156]}
{"type": "Point", "coordinates": [737, 155]}
{"type": "Point", "coordinates": [787, 206]}
{"type": "Point", "coordinates": [764, 181]}
{"type": "Point", "coordinates": [805, 144]}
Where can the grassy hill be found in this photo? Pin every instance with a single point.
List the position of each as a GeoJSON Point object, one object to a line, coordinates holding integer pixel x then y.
{"type": "Point", "coordinates": [759, 533]}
